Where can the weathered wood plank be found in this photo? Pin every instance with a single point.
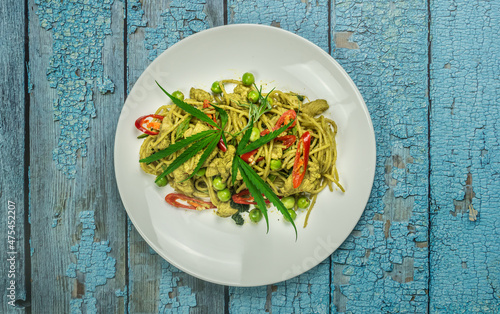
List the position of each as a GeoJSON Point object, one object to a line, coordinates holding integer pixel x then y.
{"type": "Point", "coordinates": [382, 266]}
{"type": "Point", "coordinates": [309, 292]}
{"type": "Point", "coordinates": [465, 159]}
{"type": "Point", "coordinates": [155, 285]}
{"type": "Point", "coordinates": [78, 230]}
{"type": "Point", "coordinates": [12, 158]}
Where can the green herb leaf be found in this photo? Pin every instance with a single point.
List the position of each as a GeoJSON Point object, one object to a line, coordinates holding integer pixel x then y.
{"type": "Point", "coordinates": [190, 109]}
{"type": "Point", "coordinates": [254, 191]}
{"type": "Point", "coordinates": [210, 148]}
{"type": "Point", "coordinates": [177, 146]}
{"type": "Point", "coordinates": [182, 127]}
{"type": "Point", "coordinates": [240, 207]}
{"type": "Point", "coordinates": [265, 139]}
{"type": "Point", "coordinates": [238, 219]}
{"type": "Point", "coordinates": [244, 139]}
{"type": "Point", "coordinates": [223, 116]}
{"type": "Point", "coordinates": [234, 170]}
{"type": "Point", "coordinates": [186, 155]}
{"type": "Point", "coordinates": [266, 190]}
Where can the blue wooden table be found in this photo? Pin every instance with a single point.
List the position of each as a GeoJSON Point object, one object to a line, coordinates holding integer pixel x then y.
{"type": "Point", "coordinates": [428, 241]}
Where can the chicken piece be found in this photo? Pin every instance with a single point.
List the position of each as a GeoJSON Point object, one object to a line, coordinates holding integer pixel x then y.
{"type": "Point", "coordinates": [315, 107]}
{"type": "Point", "coordinates": [224, 209]}
{"type": "Point", "coordinates": [199, 94]}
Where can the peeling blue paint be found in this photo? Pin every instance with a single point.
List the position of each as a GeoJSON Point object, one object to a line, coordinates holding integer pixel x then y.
{"type": "Point", "coordinates": [92, 260]}
{"type": "Point", "coordinates": [382, 266]}
{"type": "Point", "coordinates": [174, 298]}
{"type": "Point", "coordinates": [305, 18]}
{"type": "Point", "coordinates": [135, 16]}
{"type": "Point", "coordinates": [180, 20]}
{"type": "Point", "coordinates": [78, 30]}
{"type": "Point", "coordinates": [465, 95]}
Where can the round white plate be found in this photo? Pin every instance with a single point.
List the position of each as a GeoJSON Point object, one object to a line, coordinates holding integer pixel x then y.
{"type": "Point", "coordinates": [216, 249]}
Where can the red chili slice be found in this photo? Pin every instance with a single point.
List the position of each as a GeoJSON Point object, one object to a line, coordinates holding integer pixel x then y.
{"type": "Point", "coordinates": [249, 157]}
{"type": "Point", "coordinates": [194, 203]}
{"type": "Point", "coordinates": [244, 197]}
{"type": "Point", "coordinates": [287, 140]}
{"type": "Point", "coordinates": [221, 145]}
{"type": "Point", "coordinates": [300, 164]}
{"type": "Point", "coordinates": [285, 118]}
{"type": "Point", "coordinates": [142, 124]}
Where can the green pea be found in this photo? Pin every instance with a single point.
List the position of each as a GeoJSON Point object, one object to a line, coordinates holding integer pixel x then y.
{"type": "Point", "coordinates": [275, 164]}
{"type": "Point", "coordinates": [216, 88]}
{"type": "Point", "coordinates": [218, 183]}
{"type": "Point", "coordinates": [247, 79]}
{"type": "Point", "coordinates": [162, 181]}
{"type": "Point", "coordinates": [293, 215]}
{"type": "Point", "coordinates": [253, 96]}
{"type": "Point", "coordinates": [255, 135]}
{"type": "Point", "coordinates": [201, 172]}
{"type": "Point", "coordinates": [288, 201]}
{"type": "Point", "coordinates": [255, 215]}
{"type": "Point", "coordinates": [178, 94]}
{"type": "Point", "coordinates": [303, 202]}
{"type": "Point", "coordinates": [224, 195]}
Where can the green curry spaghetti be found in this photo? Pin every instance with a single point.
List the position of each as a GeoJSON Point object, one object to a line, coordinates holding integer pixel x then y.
{"type": "Point", "coordinates": [296, 164]}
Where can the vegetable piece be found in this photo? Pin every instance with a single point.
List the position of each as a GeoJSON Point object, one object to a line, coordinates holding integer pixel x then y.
{"type": "Point", "coordinates": [224, 195]}
{"type": "Point", "coordinates": [193, 203]}
{"type": "Point", "coordinates": [218, 183]}
{"type": "Point", "coordinates": [240, 207]}
{"type": "Point", "coordinates": [183, 126]}
{"type": "Point", "coordinates": [275, 164]}
{"type": "Point", "coordinates": [255, 215]}
{"type": "Point", "coordinates": [249, 157]}
{"type": "Point", "coordinates": [162, 182]}
{"type": "Point", "coordinates": [292, 214]}
{"type": "Point", "coordinates": [143, 135]}
{"type": "Point", "coordinates": [303, 202]}
{"type": "Point", "coordinates": [221, 145]}
{"type": "Point", "coordinates": [201, 172]}
{"type": "Point", "coordinates": [255, 135]}
{"type": "Point", "coordinates": [244, 197]}
{"type": "Point", "coordinates": [285, 119]}
{"type": "Point", "coordinates": [178, 94]}
{"type": "Point", "coordinates": [147, 125]}
{"type": "Point", "coordinates": [238, 219]}
{"type": "Point", "coordinates": [216, 88]}
{"type": "Point", "coordinates": [300, 163]}
{"type": "Point", "coordinates": [287, 140]}
{"type": "Point", "coordinates": [288, 201]}
{"type": "Point", "coordinates": [247, 79]}
{"type": "Point", "coordinates": [253, 96]}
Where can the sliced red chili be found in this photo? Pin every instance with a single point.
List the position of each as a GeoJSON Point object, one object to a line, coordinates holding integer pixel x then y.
{"type": "Point", "coordinates": [249, 157]}
{"type": "Point", "coordinates": [287, 140]}
{"type": "Point", "coordinates": [193, 203]}
{"type": "Point", "coordinates": [244, 197]}
{"type": "Point", "coordinates": [221, 145]}
{"type": "Point", "coordinates": [147, 125]}
{"type": "Point", "coordinates": [285, 118]}
{"type": "Point", "coordinates": [300, 163]}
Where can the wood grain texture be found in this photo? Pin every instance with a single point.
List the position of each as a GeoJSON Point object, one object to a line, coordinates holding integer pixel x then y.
{"type": "Point", "coordinates": [12, 157]}
{"type": "Point", "coordinates": [465, 157]}
{"type": "Point", "coordinates": [382, 266]}
{"type": "Point", "coordinates": [155, 285]}
{"type": "Point", "coordinates": [309, 292]}
{"type": "Point", "coordinates": [77, 228]}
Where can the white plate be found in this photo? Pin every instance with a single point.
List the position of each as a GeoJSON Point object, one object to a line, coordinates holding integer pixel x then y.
{"type": "Point", "coordinates": [216, 249]}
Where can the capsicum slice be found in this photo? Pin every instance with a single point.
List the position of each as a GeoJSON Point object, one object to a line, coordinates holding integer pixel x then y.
{"type": "Point", "coordinates": [192, 203]}
{"type": "Point", "coordinates": [148, 125]}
